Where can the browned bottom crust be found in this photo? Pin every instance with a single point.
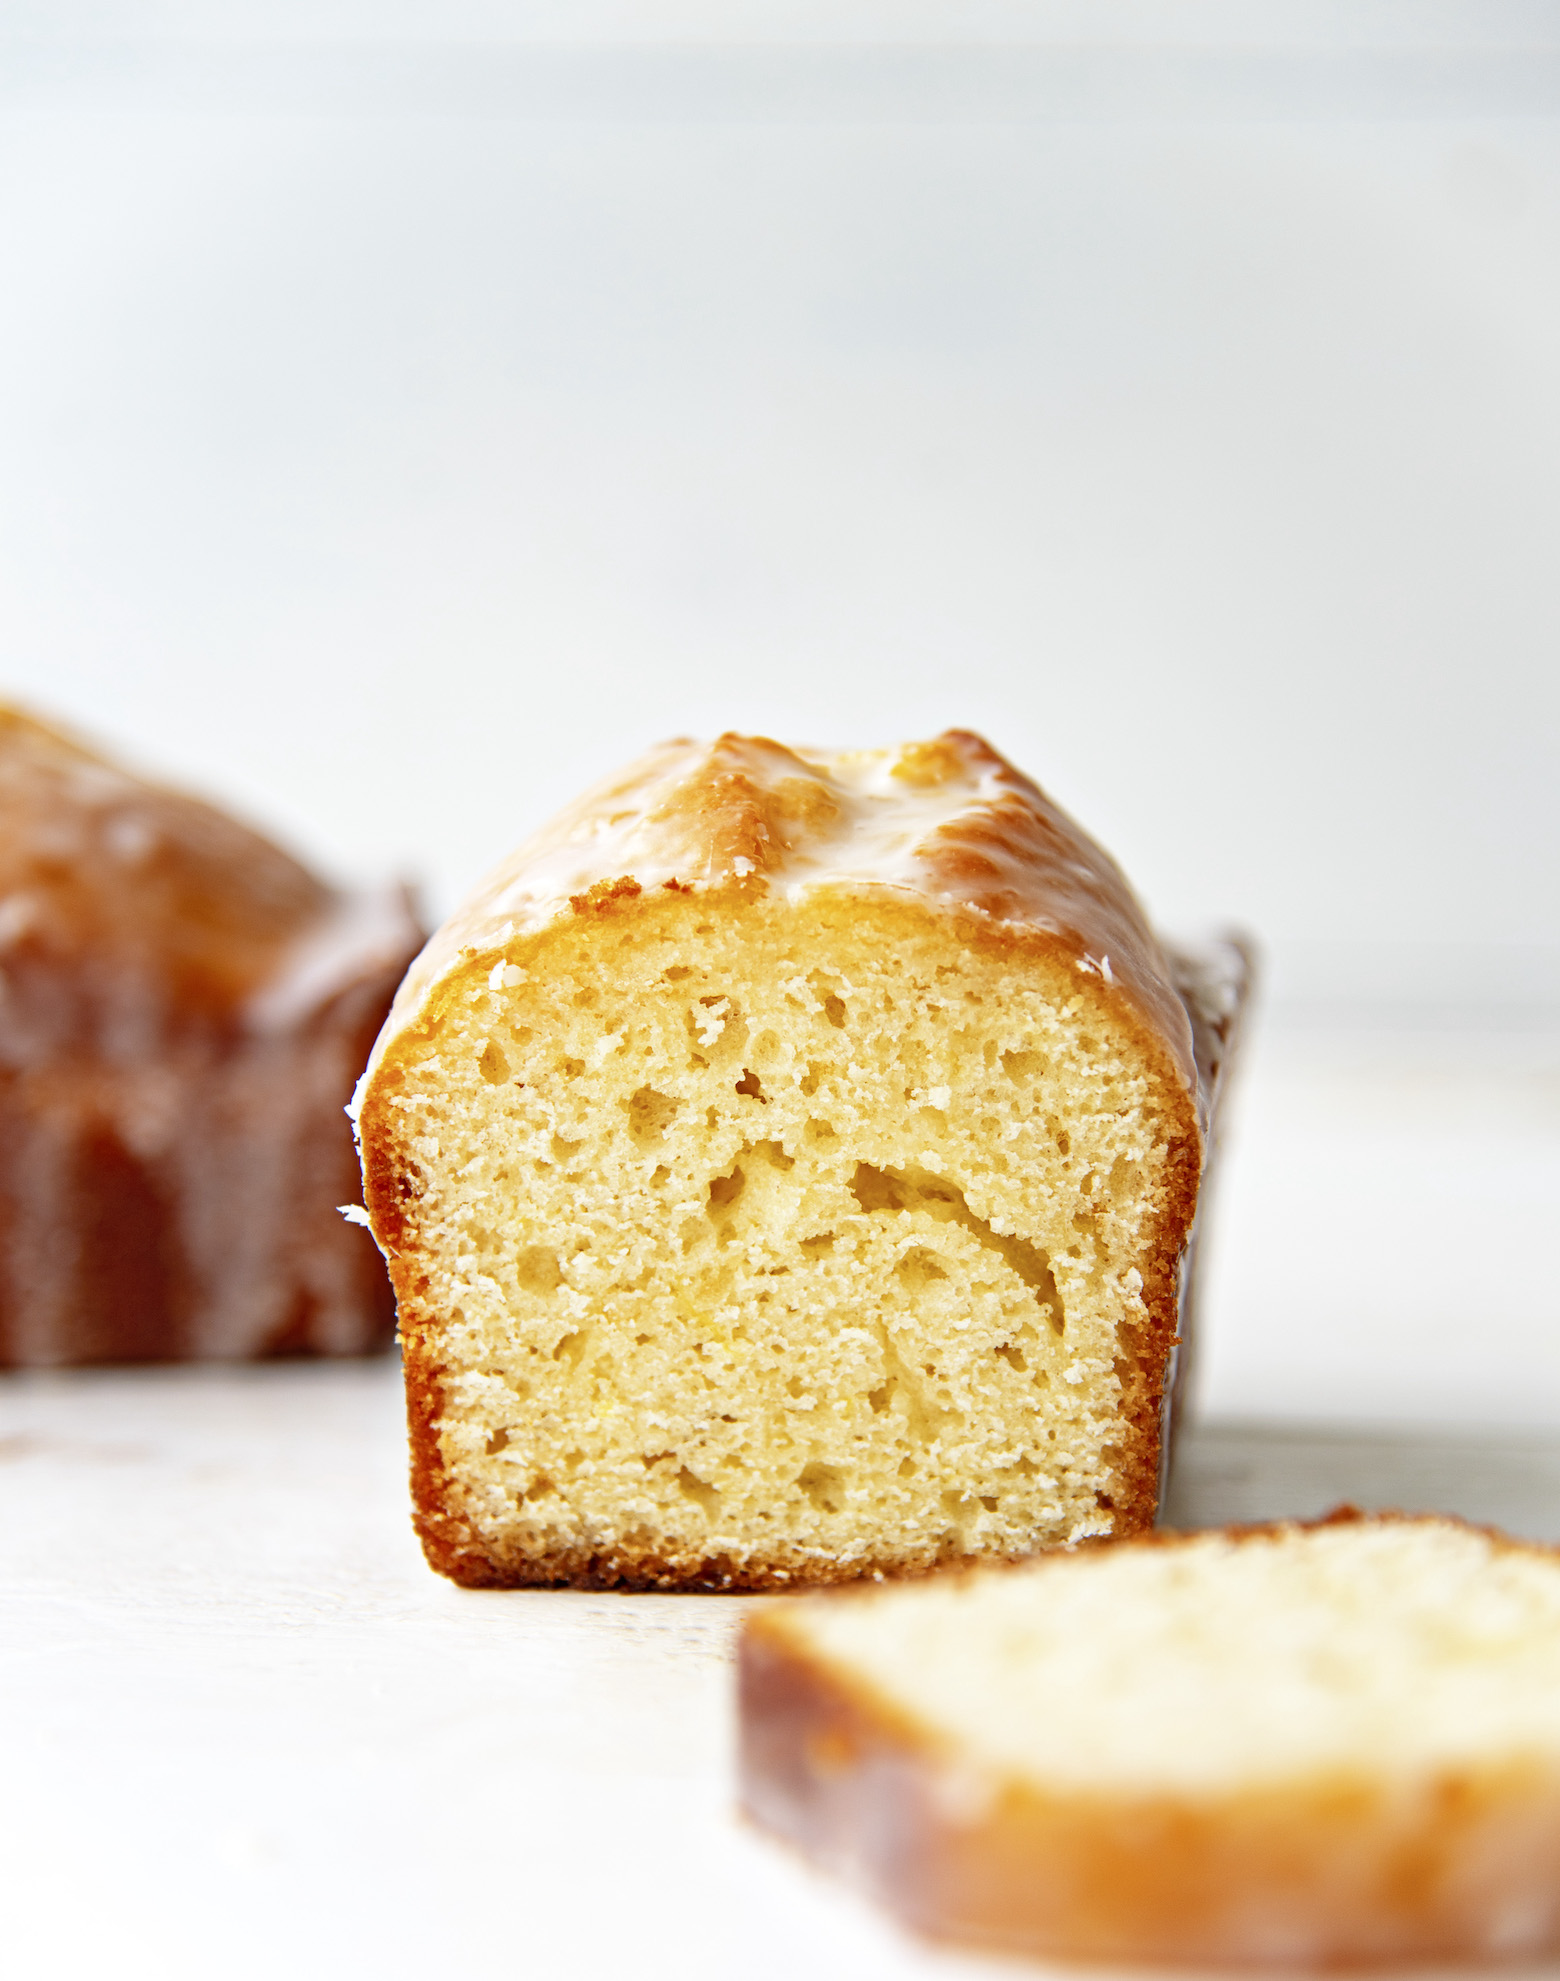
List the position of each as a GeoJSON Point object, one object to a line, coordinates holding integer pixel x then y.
{"type": "Point", "coordinates": [1336, 1873]}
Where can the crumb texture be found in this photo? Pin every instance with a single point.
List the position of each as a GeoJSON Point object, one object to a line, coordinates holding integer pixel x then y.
{"type": "Point", "coordinates": [765, 1239]}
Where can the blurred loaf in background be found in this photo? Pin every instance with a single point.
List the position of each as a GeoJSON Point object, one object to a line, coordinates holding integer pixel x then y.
{"type": "Point", "coordinates": [183, 1012]}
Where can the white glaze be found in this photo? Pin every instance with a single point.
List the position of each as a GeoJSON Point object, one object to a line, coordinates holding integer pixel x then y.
{"type": "Point", "coordinates": [620, 828]}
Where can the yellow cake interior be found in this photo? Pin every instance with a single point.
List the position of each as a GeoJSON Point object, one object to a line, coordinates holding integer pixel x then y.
{"type": "Point", "coordinates": [780, 1233]}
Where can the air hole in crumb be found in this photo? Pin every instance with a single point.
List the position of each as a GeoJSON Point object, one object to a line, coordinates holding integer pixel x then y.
{"type": "Point", "coordinates": [750, 1085]}
{"type": "Point", "coordinates": [571, 1348]}
{"type": "Point", "coordinates": [676, 973]}
{"type": "Point", "coordinates": [1021, 1065]}
{"type": "Point", "coordinates": [1013, 1355]}
{"type": "Point", "coordinates": [660, 1174]}
{"type": "Point", "coordinates": [539, 1489]}
{"type": "Point", "coordinates": [563, 1148]}
{"type": "Point", "coordinates": [1123, 1173]}
{"type": "Point", "coordinates": [810, 1080]}
{"type": "Point", "coordinates": [703, 1495]}
{"type": "Point", "coordinates": [496, 1443]}
{"type": "Point", "coordinates": [816, 1246]}
{"type": "Point", "coordinates": [537, 1269]}
{"type": "Point", "coordinates": [824, 1485]}
{"type": "Point", "coordinates": [834, 1010]}
{"type": "Point", "coordinates": [643, 1340]}
{"type": "Point", "coordinates": [921, 1190]}
{"type": "Point", "coordinates": [725, 1190]}
{"type": "Point", "coordinates": [881, 1397]}
{"type": "Point", "coordinates": [650, 1114]}
{"type": "Point", "coordinates": [819, 1131]}
{"type": "Point", "coordinates": [989, 1502]}
{"type": "Point", "coordinates": [574, 1068]}
{"type": "Point", "coordinates": [906, 1467]}
{"type": "Point", "coordinates": [919, 1269]}
{"type": "Point", "coordinates": [493, 1066]}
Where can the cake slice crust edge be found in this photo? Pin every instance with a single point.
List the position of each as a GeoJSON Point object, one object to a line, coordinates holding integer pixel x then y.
{"type": "Point", "coordinates": [1339, 1868]}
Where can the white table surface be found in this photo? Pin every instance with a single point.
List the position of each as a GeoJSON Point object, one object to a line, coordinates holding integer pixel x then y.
{"type": "Point", "coordinates": [247, 1732]}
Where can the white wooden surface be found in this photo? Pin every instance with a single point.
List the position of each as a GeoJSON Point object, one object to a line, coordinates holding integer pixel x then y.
{"type": "Point", "coordinates": [247, 1733]}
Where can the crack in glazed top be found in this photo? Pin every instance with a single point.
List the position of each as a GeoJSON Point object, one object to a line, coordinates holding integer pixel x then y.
{"type": "Point", "coordinates": [948, 821]}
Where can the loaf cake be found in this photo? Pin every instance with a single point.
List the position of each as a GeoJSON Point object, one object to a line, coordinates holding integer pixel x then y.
{"type": "Point", "coordinates": [786, 1164]}
{"type": "Point", "coordinates": [183, 1012]}
{"type": "Point", "coordinates": [1293, 1746]}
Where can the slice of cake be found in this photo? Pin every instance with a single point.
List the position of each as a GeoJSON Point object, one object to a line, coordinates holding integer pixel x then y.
{"type": "Point", "coordinates": [786, 1164]}
{"type": "Point", "coordinates": [1292, 1746]}
{"type": "Point", "coordinates": [183, 1012]}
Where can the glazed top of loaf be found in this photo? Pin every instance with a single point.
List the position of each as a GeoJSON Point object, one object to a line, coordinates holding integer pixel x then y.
{"type": "Point", "coordinates": [125, 906]}
{"type": "Point", "coordinates": [950, 822]}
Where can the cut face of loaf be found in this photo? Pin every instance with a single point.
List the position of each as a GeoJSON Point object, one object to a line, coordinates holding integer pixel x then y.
{"type": "Point", "coordinates": [748, 1233]}
{"type": "Point", "coordinates": [1304, 1747]}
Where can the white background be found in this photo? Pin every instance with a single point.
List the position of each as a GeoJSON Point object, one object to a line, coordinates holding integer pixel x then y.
{"type": "Point", "coordinates": [406, 413]}
{"type": "Point", "coordinates": [409, 410]}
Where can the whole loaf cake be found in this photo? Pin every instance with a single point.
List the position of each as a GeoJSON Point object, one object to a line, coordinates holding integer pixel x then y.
{"type": "Point", "coordinates": [183, 1012]}
{"type": "Point", "coordinates": [787, 1165]}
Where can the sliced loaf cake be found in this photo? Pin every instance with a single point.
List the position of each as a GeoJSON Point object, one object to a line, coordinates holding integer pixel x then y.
{"type": "Point", "coordinates": [787, 1165]}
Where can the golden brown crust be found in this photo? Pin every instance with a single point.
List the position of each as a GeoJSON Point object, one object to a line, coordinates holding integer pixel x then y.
{"type": "Point", "coordinates": [1344, 1870]}
{"type": "Point", "coordinates": [957, 835]}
